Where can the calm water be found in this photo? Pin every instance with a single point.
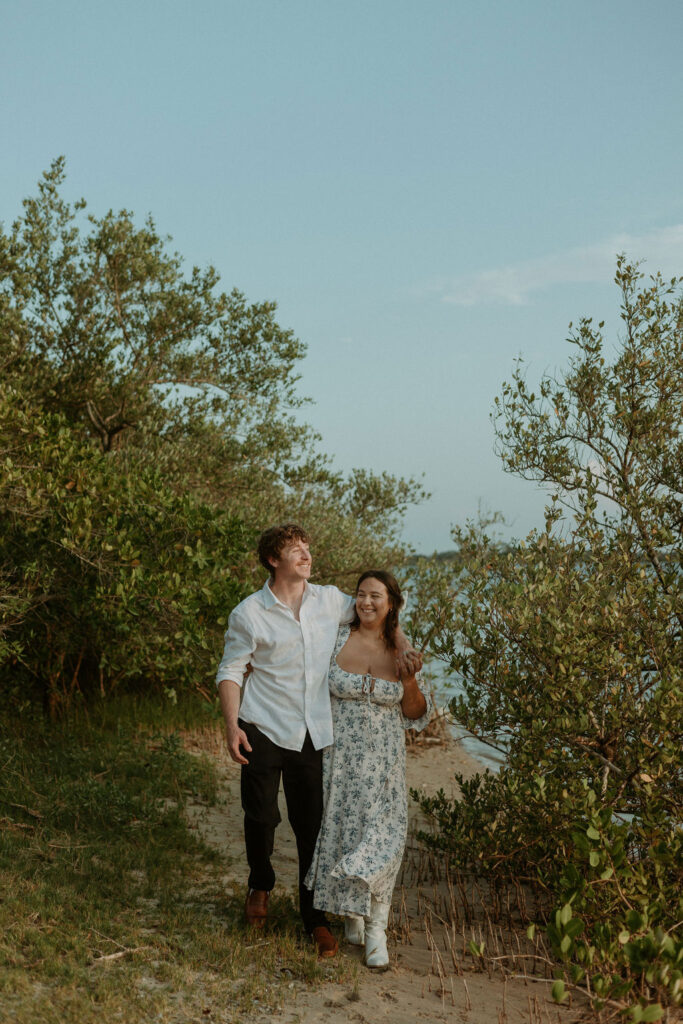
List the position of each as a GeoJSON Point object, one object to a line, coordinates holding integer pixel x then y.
{"type": "Point", "coordinates": [446, 688]}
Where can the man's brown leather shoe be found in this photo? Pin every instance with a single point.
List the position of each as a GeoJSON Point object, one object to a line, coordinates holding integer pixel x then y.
{"type": "Point", "coordinates": [325, 941]}
{"type": "Point", "coordinates": [256, 907]}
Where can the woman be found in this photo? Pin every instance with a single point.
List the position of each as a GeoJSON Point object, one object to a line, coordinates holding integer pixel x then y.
{"type": "Point", "coordinates": [375, 696]}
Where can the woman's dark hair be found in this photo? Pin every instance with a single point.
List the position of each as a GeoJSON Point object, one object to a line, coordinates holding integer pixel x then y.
{"type": "Point", "coordinates": [395, 602]}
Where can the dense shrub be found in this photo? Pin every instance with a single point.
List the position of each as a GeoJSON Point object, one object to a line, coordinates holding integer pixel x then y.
{"type": "Point", "coordinates": [117, 576]}
{"type": "Point", "coordinates": [147, 435]}
{"type": "Point", "coordinates": [568, 652]}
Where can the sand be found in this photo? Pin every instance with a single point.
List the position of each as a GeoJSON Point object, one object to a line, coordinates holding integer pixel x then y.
{"type": "Point", "coordinates": [430, 978]}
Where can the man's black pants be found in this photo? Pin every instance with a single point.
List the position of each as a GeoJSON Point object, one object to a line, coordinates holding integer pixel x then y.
{"type": "Point", "coordinates": [301, 772]}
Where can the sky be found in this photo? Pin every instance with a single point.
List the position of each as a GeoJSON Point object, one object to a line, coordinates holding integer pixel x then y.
{"type": "Point", "coordinates": [429, 190]}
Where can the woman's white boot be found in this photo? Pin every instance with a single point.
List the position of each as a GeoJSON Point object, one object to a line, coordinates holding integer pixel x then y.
{"type": "Point", "coordinates": [354, 930]}
{"type": "Point", "coordinates": [376, 956]}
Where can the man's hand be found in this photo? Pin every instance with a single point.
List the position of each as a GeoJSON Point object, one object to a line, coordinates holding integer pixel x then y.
{"type": "Point", "coordinates": [408, 663]}
{"type": "Point", "coordinates": [229, 693]}
{"type": "Point", "coordinates": [237, 738]}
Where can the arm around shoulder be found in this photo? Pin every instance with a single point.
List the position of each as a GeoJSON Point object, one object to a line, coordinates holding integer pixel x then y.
{"type": "Point", "coordinates": [347, 608]}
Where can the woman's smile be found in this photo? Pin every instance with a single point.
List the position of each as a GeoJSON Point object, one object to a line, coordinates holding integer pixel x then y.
{"type": "Point", "coordinates": [372, 600]}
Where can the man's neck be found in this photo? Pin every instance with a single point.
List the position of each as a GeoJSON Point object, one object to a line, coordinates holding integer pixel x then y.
{"type": "Point", "coordinates": [289, 591]}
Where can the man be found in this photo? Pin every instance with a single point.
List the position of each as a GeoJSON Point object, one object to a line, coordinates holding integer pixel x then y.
{"type": "Point", "coordinates": [286, 633]}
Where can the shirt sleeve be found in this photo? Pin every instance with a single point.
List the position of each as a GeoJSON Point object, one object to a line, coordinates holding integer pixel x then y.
{"type": "Point", "coordinates": [347, 608]}
{"type": "Point", "coordinates": [237, 652]}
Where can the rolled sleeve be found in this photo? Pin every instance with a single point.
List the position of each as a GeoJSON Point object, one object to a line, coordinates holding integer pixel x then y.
{"type": "Point", "coordinates": [237, 652]}
{"type": "Point", "coordinates": [347, 608]}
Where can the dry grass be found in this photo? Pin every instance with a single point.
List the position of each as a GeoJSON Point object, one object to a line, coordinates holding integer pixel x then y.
{"type": "Point", "coordinates": [471, 927]}
{"type": "Point", "coordinates": [438, 731]}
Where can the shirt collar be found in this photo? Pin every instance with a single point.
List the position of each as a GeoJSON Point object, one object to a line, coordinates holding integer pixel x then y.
{"type": "Point", "coordinates": [269, 599]}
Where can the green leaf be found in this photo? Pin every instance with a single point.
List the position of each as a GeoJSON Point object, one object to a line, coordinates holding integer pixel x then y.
{"type": "Point", "coordinates": [574, 927]}
{"type": "Point", "coordinates": [559, 992]}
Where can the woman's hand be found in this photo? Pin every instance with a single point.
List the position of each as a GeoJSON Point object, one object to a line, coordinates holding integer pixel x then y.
{"type": "Point", "coordinates": [408, 663]}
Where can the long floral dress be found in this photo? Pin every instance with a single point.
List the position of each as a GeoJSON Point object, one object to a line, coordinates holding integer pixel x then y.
{"type": "Point", "coordinates": [365, 821]}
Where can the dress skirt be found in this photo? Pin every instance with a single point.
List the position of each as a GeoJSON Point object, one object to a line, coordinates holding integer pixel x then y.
{"type": "Point", "coordinates": [365, 819]}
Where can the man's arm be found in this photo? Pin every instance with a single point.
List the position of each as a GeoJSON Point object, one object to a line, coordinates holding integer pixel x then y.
{"type": "Point", "coordinates": [229, 694]}
{"type": "Point", "coordinates": [234, 666]}
{"type": "Point", "coordinates": [404, 645]}
{"type": "Point", "coordinates": [347, 608]}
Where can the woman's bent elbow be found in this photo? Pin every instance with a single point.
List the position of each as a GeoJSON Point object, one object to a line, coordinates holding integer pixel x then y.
{"type": "Point", "coordinates": [414, 711]}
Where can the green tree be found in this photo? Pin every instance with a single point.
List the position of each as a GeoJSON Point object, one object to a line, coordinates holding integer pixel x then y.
{"type": "Point", "coordinates": [148, 431]}
{"type": "Point", "coordinates": [568, 650]}
{"type": "Point", "coordinates": [116, 577]}
{"type": "Point", "coordinates": [137, 355]}
{"type": "Point", "coordinates": [127, 344]}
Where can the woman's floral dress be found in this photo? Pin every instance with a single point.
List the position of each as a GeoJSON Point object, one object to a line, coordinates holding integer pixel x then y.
{"type": "Point", "coordinates": [365, 821]}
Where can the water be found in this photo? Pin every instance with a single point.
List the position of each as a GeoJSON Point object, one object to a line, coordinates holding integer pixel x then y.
{"type": "Point", "coordinates": [446, 688]}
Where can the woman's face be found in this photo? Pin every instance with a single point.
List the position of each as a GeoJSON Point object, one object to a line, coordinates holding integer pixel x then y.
{"type": "Point", "coordinates": [372, 602]}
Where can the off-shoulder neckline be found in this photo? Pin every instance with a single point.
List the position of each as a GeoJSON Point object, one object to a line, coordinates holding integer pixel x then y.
{"type": "Point", "coordinates": [358, 675]}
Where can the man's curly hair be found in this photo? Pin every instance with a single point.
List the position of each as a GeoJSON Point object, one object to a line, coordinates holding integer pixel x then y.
{"type": "Point", "coordinates": [272, 541]}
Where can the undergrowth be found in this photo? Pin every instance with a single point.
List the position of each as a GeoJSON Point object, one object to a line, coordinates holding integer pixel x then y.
{"type": "Point", "coordinates": [111, 906]}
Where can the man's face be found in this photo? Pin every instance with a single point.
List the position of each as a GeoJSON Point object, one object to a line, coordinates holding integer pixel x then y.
{"type": "Point", "coordinates": [294, 561]}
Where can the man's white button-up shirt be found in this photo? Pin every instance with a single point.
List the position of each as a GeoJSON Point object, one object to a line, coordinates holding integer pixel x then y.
{"type": "Point", "coordinates": [286, 692]}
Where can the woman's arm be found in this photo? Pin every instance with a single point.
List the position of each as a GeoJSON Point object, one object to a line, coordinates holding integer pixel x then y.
{"type": "Point", "coordinates": [413, 704]}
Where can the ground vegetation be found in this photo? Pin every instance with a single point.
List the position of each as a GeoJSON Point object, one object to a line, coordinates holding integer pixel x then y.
{"type": "Point", "coordinates": [567, 650]}
{"type": "Point", "coordinates": [112, 906]}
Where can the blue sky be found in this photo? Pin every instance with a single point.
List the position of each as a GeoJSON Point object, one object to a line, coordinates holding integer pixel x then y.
{"type": "Point", "coordinates": [428, 189]}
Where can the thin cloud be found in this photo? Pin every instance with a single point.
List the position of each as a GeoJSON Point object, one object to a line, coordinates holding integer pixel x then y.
{"type": "Point", "coordinates": [513, 285]}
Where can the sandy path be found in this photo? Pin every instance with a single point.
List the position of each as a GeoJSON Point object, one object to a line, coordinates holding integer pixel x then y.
{"type": "Point", "coordinates": [411, 990]}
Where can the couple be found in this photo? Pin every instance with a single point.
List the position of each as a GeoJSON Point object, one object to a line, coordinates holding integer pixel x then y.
{"type": "Point", "coordinates": [322, 668]}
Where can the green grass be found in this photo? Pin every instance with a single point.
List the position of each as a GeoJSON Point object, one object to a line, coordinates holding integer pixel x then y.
{"type": "Point", "coordinates": [96, 859]}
